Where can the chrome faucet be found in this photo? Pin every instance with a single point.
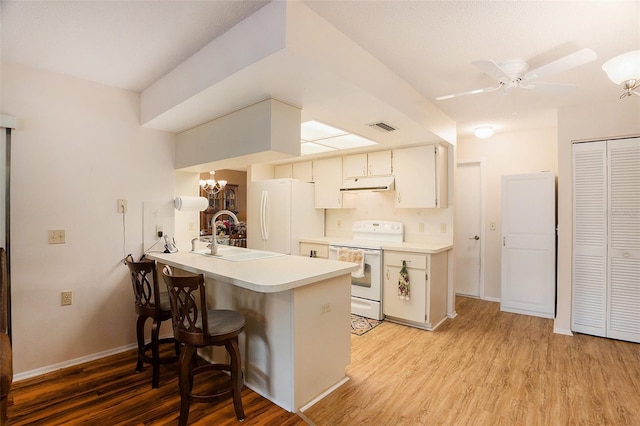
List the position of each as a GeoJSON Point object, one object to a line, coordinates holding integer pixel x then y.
{"type": "Point", "coordinates": [214, 244]}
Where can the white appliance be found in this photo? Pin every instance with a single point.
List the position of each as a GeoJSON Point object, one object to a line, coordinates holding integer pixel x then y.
{"type": "Point", "coordinates": [281, 211]}
{"type": "Point", "coordinates": [369, 236]}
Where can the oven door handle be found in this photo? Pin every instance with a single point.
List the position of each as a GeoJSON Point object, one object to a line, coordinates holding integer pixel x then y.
{"type": "Point", "coordinates": [365, 251]}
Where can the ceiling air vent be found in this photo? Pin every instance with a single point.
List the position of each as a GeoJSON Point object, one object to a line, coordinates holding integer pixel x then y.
{"type": "Point", "coordinates": [382, 126]}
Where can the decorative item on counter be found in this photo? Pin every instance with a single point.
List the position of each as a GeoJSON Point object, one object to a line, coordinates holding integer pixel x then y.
{"type": "Point", "coordinates": [403, 282]}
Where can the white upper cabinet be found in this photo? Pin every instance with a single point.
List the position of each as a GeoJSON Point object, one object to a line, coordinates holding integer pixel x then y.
{"type": "Point", "coordinates": [328, 179]}
{"type": "Point", "coordinates": [283, 171]}
{"type": "Point", "coordinates": [371, 164]}
{"type": "Point", "coordinates": [302, 171]}
{"type": "Point", "coordinates": [421, 176]}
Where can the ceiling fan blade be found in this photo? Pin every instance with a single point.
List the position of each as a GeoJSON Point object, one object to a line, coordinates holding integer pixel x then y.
{"type": "Point", "coordinates": [559, 89]}
{"type": "Point", "coordinates": [470, 92]}
{"type": "Point", "coordinates": [492, 69]}
{"type": "Point", "coordinates": [573, 60]}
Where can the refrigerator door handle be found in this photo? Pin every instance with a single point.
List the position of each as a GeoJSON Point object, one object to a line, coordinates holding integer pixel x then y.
{"type": "Point", "coordinates": [262, 214]}
{"type": "Point", "coordinates": [265, 215]}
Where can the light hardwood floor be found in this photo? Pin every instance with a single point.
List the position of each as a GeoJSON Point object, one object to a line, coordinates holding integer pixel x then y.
{"type": "Point", "coordinates": [484, 367]}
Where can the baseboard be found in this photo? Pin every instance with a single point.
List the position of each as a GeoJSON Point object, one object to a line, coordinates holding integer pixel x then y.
{"type": "Point", "coordinates": [71, 362]}
{"type": "Point", "coordinates": [563, 331]}
{"type": "Point", "coordinates": [492, 299]}
{"type": "Point", "coordinates": [323, 394]}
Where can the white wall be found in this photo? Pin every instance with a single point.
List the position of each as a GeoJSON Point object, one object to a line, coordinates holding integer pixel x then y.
{"type": "Point", "coordinates": [77, 149]}
{"type": "Point", "coordinates": [505, 154]}
{"type": "Point", "coordinates": [620, 117]}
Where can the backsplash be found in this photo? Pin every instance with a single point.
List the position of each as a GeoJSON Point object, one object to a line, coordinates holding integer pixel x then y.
{"type": "Point", "coordinates": [421, 225]}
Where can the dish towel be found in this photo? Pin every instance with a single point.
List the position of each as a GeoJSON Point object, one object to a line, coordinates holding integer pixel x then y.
{"type": "Point", "coordinates": [353, 256]}
{"type": "Point", "coordinates": [403, 282]}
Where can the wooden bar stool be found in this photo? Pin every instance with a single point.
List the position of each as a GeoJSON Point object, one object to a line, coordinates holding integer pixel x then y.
{"type": "Point", "coordinates": [195, 326]}
{"type": "Point", "coordinates": [150, 303]}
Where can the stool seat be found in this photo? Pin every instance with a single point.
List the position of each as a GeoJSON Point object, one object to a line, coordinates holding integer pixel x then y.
{"type": "Point", "coordinates": [196, 326]}
{"type": "Point", "coordinates": [150, 303]}
{"type": "Point", "coordinates": [222, 322]}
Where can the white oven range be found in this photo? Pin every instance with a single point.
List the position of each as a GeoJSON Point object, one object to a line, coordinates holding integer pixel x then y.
{"type": "Point", "coordinates": [368, 237]}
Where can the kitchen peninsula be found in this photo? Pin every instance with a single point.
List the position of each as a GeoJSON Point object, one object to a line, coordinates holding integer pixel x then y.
{"type": "Point", "coordinates": [296, 342]}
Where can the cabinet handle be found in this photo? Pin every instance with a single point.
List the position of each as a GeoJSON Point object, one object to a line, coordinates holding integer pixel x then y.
{"type": "Point", "coordinates": [625, 254]}
{"type": "Point", "coordinates": [398, 198]}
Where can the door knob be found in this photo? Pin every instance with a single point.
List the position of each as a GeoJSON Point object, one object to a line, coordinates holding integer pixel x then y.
{"type": "Point", "coordinates": [475, 237]}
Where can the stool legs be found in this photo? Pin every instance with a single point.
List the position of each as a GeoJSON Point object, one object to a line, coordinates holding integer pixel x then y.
{"type": "Point", "coordinates": [187, 364]}
{"type": "Point", "coordinates": [185, 381]}
{"type": "Point", "coordinates": [155, 353]}
{"type": "Point", "coordinates": [140, 336]}
{"type": "Point", "coordinates": [236, 376]}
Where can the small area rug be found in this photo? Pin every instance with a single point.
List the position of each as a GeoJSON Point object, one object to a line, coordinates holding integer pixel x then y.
{"type": "Point", "coordinates": [360, 325]}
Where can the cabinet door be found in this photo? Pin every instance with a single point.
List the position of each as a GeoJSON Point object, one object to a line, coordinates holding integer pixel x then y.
{"type": "Point", "coordinates": [283, 171]}
{"type": "Point", "coordinates": [623, 301]}
{"type": "Point", "coordinates": [415, 177]}
{"type": "Point", "coordinates": [303, 171]}
{"type": "Point", "coordinates": [413, 309]}
{"type": "Point", "coordinates": [354, 165]}
{"type": "Point", "coordinates": [379, 163]}
{"type": "Point", "coordinates": [328, 179]}
{"type": "Point", "coordinates": [528, 269]}
{"type": "Point", "coordinates": [320, 250]}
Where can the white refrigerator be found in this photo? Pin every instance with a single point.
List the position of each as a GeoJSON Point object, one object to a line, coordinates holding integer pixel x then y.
{"type": "Point", "coordinates": [280, 212]}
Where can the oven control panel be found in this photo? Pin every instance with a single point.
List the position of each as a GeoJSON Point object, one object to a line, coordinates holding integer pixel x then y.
{"type": "Point", "coordinates": [378, 229]}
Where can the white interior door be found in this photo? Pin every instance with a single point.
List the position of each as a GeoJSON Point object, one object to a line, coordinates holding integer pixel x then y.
{"type": "Point", "coordinates": [528, 244]}
{"type": "Point", "coordinates": [469, 239]}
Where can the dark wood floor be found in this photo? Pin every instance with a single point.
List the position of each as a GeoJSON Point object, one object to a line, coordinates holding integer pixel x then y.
{"type": "Point", "coordinates": [485, 367]}
{"type": "Point", "coordinates": [109, 392]}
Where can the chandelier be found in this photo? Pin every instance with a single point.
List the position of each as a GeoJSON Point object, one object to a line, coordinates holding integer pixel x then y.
{"type": "Point", "coordinates": [211, 186]}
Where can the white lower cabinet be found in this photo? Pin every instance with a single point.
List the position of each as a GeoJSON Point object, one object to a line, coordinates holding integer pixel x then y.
{"type": "Point", "coordinates": [317, 249]}
{"type": "Point", "coordinates": [427, 304]}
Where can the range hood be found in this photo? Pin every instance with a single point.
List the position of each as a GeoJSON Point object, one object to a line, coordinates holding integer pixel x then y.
{"type": "Point", "coordinates": [368, 183]}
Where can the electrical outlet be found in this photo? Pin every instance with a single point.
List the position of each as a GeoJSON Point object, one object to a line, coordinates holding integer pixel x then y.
{"type": "Point", "coordinates": [57, 236]}
{"type": "Point", "coordinates": [421, 227]}
{"type": "Point", "coordinates": [159, 231]}
{"type": "Point", "coordinates": [122, 205]}
{"type": "Point", "coordinates": [492, 226]}
{"type": "Point", "coordinates": [67, 298]}
{"type": "Point", "coordinates": [325, 308]}
{"type": "Point", "coordinates": [443, 228]}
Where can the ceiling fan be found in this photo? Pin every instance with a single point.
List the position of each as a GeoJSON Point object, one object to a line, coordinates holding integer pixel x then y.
{"type": "Point", "coordinates": [513, 74]}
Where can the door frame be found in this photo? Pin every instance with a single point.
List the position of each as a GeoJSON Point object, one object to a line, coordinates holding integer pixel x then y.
{"type": "Point", "coordinates": [480, 162]}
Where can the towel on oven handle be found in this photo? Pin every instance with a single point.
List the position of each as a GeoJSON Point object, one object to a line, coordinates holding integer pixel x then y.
{"type": "Point", "coordinates": [353, 256]}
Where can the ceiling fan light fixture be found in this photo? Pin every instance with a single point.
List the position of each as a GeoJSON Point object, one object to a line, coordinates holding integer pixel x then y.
{"type": "Point", "coordinates": [483, 132]}
{"type": "Point", "coordinates": [624, 70]}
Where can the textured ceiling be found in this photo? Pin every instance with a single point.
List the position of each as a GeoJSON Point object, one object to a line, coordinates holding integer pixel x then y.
{"type": "Point", "coordinates": [431, 44]}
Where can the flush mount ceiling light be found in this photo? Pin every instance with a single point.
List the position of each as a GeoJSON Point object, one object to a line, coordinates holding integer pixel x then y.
{"type": "Point", "coordinates": [624, 70]}
{"type": "Point", "coordinates": [483, 132]}
{"type": "Point", "coordinates": [318, 137]}
{"type": "Point", "coordinates": [211, 186]}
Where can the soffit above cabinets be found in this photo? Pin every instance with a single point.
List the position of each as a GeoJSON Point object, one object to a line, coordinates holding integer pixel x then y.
{"type": "Point", "coordinates": [276, 53]}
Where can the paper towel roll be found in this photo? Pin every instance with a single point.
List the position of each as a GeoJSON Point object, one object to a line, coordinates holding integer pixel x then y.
{"type": "Point", "coordinates": [191, 203]}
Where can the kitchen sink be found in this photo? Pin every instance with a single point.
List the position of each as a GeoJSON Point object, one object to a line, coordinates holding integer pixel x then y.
{"type": "Point", "coordinates": [237, 254]}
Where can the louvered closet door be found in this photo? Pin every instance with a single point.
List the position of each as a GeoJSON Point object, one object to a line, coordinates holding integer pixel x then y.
{"type": "Point", "coordinates": [589, 238]}
{"type": "Point", "coordinates": [623, 320]}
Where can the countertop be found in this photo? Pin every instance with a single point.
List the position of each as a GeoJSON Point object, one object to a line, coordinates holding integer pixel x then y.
{"type": "Point", "coordinates": [268, 275]}
{"type": "Point", "coordinates": [427, 248]}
